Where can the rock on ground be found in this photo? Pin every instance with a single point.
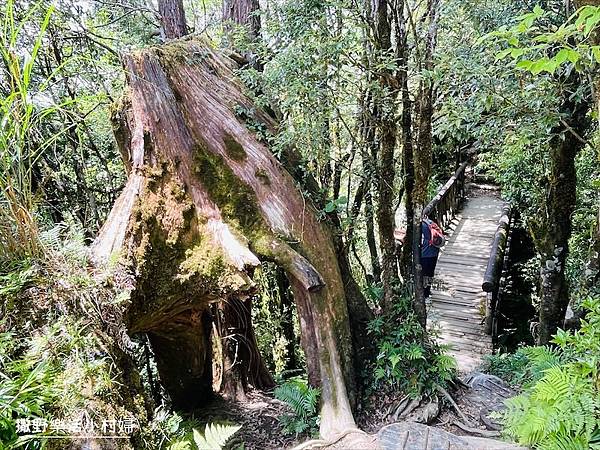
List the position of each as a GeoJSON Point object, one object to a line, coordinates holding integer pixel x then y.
{"type": "Point", "coordinates": [416, 436]}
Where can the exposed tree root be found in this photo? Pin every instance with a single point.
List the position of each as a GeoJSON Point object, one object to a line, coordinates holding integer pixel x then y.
{"type": "Point", "coordinates": [448, 397]}
{"type": "Point", "coordinates": [468, 429]}
{"type": "Point", "coordinates": [319, 443]}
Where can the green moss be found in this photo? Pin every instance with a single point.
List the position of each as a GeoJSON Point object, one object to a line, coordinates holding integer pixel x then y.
{"type": "Point", "coordinates": [235, 199]}
{"type": "Point", "coordinates": [262, 176]}
{"type": "Point", "coordinates": [233, 148]}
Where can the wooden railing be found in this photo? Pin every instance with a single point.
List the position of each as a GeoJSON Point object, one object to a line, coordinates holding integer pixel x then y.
{"type": "Point", "coordinates": [445, 204]}
{"type": "Point", "coordinates": [494, 273]}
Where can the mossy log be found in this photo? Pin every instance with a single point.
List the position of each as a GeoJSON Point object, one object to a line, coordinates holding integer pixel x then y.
{"type": "Point", "coordinates": [204, 203]}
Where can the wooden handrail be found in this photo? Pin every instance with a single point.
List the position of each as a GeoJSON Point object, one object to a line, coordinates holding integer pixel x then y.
{"type": "Point", "coordinates": [444, 205]}
{"type": "Point", "coordinates": [495, 267]}
{"type": "Point", "coordinates": [493, 271]}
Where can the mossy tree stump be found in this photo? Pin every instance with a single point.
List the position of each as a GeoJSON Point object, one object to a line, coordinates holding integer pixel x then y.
{"type": "Point", "coordinates": [204, 203]}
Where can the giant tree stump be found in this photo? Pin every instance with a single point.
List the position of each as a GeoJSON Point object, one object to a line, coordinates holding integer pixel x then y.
{"type": "Point", "coordinates": [204, 203]}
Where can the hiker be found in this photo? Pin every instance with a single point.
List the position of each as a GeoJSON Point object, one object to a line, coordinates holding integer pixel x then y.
{"type": "Point", "coordinates": [432, 240]}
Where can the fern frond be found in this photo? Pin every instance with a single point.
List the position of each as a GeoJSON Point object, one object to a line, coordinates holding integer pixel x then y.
{"type": "Point", "coordinates": [553, 385]}
{"type": "Point", "coordinates": [215, 436]}
{"type": "Point", "coordinates": [180, 445]}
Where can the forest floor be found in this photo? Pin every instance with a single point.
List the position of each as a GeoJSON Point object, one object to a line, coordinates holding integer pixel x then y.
{"type": "Point", "coordinates": [261, 429]}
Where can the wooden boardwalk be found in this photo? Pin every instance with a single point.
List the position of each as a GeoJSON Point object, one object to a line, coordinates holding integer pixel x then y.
{"type": "Point", "coordinates": [457, 302]}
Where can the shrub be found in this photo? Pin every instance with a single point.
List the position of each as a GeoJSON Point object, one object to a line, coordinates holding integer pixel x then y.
{"type": "Point", "coordinates": [215, 437]}
{"type": "Point", "coordinates": [408, 359]}
{"type": "Point", "coordinates": [508, 366]}
{"type": "Point", "coordinates": [560, 406]}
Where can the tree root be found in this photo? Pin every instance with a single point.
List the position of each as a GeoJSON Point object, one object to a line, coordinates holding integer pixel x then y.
{"type": "Point", "coordinates": [448, 397]}
{"type": "Point", "coordinates": [319, 443]}
{"type": "Point", "coordinates": [414, 404]}
{"type": "Point", "coordinates": [468, 429]}
{"type": "Point", "coordinates": [399, 408]}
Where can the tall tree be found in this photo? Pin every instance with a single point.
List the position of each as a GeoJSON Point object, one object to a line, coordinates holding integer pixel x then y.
{"type": "Point", "coordinates": [552, 230]}
{"type": "Point", "coordinates": [380, 135]}
{"type": "Point", "coordinates": [422, 152]}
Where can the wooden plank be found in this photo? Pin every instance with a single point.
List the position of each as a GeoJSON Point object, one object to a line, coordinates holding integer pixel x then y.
{"type": "Point", "coordinates": [467, 348]}
{"type": "Point", "coordinates": [471, 332]}
{"type": "Point", "coordinates": [471, 264]}
{"type": "Point", "coordinates": [445, 309]}
{"type": "Point", "coordinates": [473, 328]}
{"type": "Point", "coordinates": [468, 341]}
{"type": "Point", "coordinates": [456, 256]}
{"type": "Point", "coordinates": [435, 301]}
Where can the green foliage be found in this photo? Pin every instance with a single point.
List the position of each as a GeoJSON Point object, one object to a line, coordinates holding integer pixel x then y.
{"type": "Point", "coordinates": [508, 366]}
{"type": "Point", "coordinates": [170, 431]}
{"type": "Point", "coordinates": [303, 400]}
{"type": "Point", "coordinates": [408, 359]}
{"type": "Point", "coordinates": [20, 122]}
{"type": "Point", "coordinates": [45, 376]}
{"type": "Point", "coordinates": [560, 407]}
{"type": "Point", "coordinates": [27, 389]}
{"type": "Point", "coordinates": [551, 48]}
{"type": "Point", "coordinates": [215, 436]}
{"type": "Point", "coordinates": [271, 314]}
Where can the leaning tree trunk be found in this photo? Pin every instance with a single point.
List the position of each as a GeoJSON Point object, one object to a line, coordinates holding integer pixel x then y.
{"type": "Point", "coordinates": [205, 201]}
{"type": "Point", "coordinates": [242, 363]}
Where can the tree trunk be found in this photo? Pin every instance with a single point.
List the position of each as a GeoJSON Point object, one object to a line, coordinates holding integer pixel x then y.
{"type": "Point", "coordinates": [243, 12]}
{"type": "Point", "coordinates": [242, 363]}
{"type": "Point", "coordinates": [552, 237]}
{"type": "Point", "coordinates": [371, 242]}
{"type": "Point", "coordinates": [422, 153]}
{"type": "Point", "coordinates": [406, 259]}
{"type": "Point", "coordinates": [384, 121]}
{"type": "Point", "coordinates": [172, 18]}
{"type": "Point", "coordinates": [205, 199]}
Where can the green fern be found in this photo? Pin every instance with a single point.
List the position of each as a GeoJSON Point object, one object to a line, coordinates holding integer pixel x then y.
{"type": "Point", "coordinates": [215, 436]}
{"type": "Point", "coordinates": [180, 445]}
{"type": "Point", "coordinates": [303, 400]}
{"type": "Point", "coordinates": [560, 408]}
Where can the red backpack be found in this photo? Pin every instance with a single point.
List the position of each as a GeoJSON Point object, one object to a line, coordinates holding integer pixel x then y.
{"type": "Point", "coordinates": [437, 238]}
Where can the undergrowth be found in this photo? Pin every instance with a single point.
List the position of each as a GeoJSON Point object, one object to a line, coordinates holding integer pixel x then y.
{"type": "Point", "coordinates": [559, 407]}
{"type": "Point", "coordinates": [304, 402]}
{"type": "Point", "coordinates": [409, 359]}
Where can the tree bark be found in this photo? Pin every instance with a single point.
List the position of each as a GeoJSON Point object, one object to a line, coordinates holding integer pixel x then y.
{"type": "Point", "coordinates": [384, 120]}
{"type": "Point", "coordinates": [422, 153]}
{"type": "Point", "coordinates": [552, 236]}
{"type": "Point", "coordinates": [172, 18]}
{"type": "Point", "coordinates": [205, 199]}
{"type": "Point", "coordinates": [243, 12]}
{"type": "Point", "coordinates": [242, 363]}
